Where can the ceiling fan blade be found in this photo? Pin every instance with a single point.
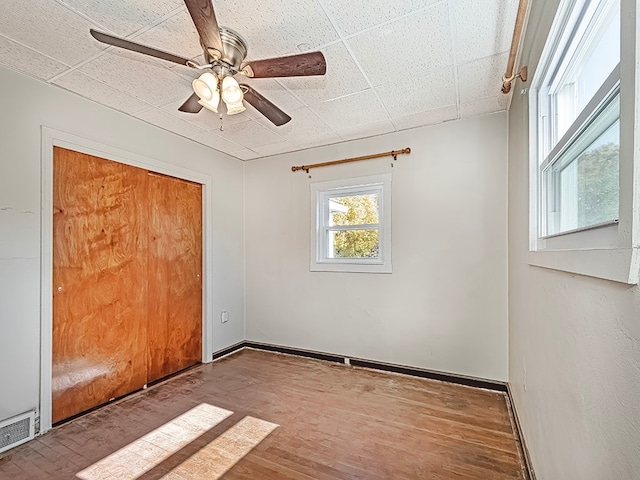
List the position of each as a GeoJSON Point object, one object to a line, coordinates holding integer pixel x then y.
{"type": "Point", "coordinates": [136, 47]}
{"type": "Point", "coordinates": [204, 18]}
{"type": "Point", "coordinates": [191, 105]}
{"type": "Point", "coordinates": [264, 106]}
{"type": "Point", "coordinates": [301, 65]}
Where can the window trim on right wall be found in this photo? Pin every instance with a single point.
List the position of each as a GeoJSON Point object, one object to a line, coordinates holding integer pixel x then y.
{"type": "Point", "coordinates": [612, 250]}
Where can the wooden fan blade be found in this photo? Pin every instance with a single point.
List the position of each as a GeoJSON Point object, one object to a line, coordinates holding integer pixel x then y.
{"type": "Point", "coordinates": [264, 106]}
{"type": "Point", "coordinates": [204, 18]}
{"type": "Point", "coordinates": [301, 65]}
{"type": "Point", "coordinates": [191, 105]}
{"type": "Point", "coordinates": [136, 47]}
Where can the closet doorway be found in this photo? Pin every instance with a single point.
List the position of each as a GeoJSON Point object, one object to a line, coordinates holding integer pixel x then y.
{"type": "Point", "coordinates": [127, 279]}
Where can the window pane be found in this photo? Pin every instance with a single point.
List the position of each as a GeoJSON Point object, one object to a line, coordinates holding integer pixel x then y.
{"type": "Point", "coordinates": [592, 54]}
{"type": "Point", "coordinates": [586, 188]}
{"type": "Point", "coordinates": [353, 244]}
{"type": "Point", "coordinates": [354, 210]}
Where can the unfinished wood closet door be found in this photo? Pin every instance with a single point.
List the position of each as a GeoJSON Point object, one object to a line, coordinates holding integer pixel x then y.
{"type": "Point", "coordinates": [175, 271]}
{"type": "Point", "coordinates": [100, 281]}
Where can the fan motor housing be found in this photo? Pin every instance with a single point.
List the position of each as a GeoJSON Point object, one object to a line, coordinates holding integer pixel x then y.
{"type": "Point", "coordinates": [235, 47]}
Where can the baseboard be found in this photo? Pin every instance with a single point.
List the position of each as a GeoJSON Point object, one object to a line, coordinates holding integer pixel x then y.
{"type": "Point", "coordinates": [366, 363]}
{"type": "Point", "coordinates": [524, 451]}
{"type": "Point", "coordinates": [228, 350]}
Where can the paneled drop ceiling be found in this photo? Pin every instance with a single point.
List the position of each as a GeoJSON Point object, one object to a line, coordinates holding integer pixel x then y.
{"type": "Point", "coordinates": [391, 65]}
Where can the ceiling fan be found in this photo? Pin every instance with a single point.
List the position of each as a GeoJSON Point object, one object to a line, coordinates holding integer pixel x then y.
{"type": "Point", "coordinates": [225, 51]}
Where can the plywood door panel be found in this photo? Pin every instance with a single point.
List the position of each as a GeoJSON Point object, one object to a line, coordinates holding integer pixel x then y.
{"type": "Point", "coordinates": [175, 268]}
{"type": "Point", "coordinates": [100, 281]}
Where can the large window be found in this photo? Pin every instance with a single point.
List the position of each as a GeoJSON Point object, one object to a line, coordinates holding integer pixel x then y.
{"type": "Point", "coordinates": [584, 171]}
{"type": "Point", "coordinates": [352, 227]}
{"type": "Point", "coordinates": [578, 106]}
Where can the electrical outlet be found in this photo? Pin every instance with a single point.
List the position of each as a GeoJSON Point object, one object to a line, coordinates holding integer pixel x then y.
{"type": "Point", "coordinates": [224, 316]}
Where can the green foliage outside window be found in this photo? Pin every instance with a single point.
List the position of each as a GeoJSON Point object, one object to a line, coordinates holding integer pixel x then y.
{"type": "Point", "coordinates": [361, 210]}
{"type": "Point", "coordinates": [598, 195]}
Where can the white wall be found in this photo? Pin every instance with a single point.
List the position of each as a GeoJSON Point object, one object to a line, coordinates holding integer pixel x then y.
{"type": "Point", "coordinates": [444, 307]}
{"type": "Point", "coordinates": [26, 104]}
{"type": "Point", "coordinates": [574, 363]}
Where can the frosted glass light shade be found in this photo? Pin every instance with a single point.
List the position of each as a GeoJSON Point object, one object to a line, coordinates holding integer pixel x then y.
{"type": "Point", "coordinates": [205, 86]}
{"type": "Point", "coordinates": [213, 103]}
{"type": "Point", "coordinates": [232, 96]}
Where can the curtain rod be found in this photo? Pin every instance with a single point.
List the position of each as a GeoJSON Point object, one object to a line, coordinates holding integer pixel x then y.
{"type": "Point", "coordinates": [509, 76]}
{"type": "Point", "coordinates": [392, 153]}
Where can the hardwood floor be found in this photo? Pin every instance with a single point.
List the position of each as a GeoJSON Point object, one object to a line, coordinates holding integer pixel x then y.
{"type": "Point", "coordinates": [260, 415]}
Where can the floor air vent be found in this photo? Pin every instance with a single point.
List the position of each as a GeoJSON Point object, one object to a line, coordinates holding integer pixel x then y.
{"type": "Point", "coordinates": [16, 430]}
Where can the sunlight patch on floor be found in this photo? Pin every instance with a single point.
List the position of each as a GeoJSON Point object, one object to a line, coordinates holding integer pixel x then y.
{"type": "Point", "coordinates": [140, 456]}
{"type": "Point", "coordinates": [218, 456]}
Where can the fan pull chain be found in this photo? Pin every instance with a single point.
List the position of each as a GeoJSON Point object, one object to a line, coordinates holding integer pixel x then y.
{"type": "Point", "coordinates": [221, 126]}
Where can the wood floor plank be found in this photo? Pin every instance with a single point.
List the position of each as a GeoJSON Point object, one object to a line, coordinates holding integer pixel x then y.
{"type": "Point", "coordinates": [333, 422]}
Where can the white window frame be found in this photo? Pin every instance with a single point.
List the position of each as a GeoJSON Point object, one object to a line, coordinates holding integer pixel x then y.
{"type": "Point", "coordinates": [321, 194]}
{"type": "Point", "coordinates": [610, 251]}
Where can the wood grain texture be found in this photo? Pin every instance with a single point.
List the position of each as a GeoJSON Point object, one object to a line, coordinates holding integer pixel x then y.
{"type": "Point", "coordinates": [300, 65]}
{"type": "Point", "coordinates": [99, 278]}
{"type": "Point", "coordinates": [191, 105]}
{"type": "Point", "coordinates": [174, 320]}
{"type": "Point", "coordinates": [334, 422]}
{"type": "Point", "coordinates": [204, 19]}
{"type": "Point", "coordinates": [264, 106]}
{"type": "Point", "coordinates": [136, 47]}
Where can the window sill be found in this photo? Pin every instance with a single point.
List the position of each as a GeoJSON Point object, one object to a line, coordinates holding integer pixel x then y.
{"type": "Point", "coordinates": [350, 267]}
{"type": "Point", "coordinates": [615, 264]}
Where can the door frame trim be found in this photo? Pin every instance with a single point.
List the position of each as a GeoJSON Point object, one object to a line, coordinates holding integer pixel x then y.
{"type": "Point", "coordinates": [57, 138]}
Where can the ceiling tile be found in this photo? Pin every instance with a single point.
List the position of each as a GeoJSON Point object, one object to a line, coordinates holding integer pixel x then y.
{"type": "Point", "coordinates": [431, 117]}
{"type": "Point", "coordinates": [414, 94]}
{"type": "Point", "coordinates": [50, 28]}
{"type": "Point", "coordinates": [364, 14]}
{"type": "Point", "coordinates": [304, 125]}
{"type": "Point", "coordinates": [246, 154]}
{"type": "Point", "coordinates": [277, 27]}
{"type": "Point", "coordinates": [496, 103]}
{"type": "Point", "coordinates": [423, 38]}
{"type": "Point", "coordinates": [250, 134]}
{"type": "Point", "coordinates": [352, 110]}
{"type": "Point", "coordinates": [318, 141]}
{"type": "Point", "coordinates": [139, 76]}
{"type": "Point", "coordinates": [275, 149]}
{"type": "Point", "coordinates": [205, 119]}
{"type": "Point", "coordinates": [274, 92]}
{"type": "Point", "coordinates": [167, 121]}
{"type": "Point", "coordinates": [175, 35]}
{"type": "Point", "coordinates": [482, 27]}
{"type": "Point", "coordinates": [124, 18]}
{"type": "Point", "coordinates": [213, 140]}
{"type": "Point", "coordinates": [97, 91]}
{"type": "Point", "coordinates": [366, 130]}
{"type": "Point", "coordinates": [26, 60]}
{"type": "Point", "coordinates": [481, 78]}
{"type": "Point", "coordinates": [343, 77]}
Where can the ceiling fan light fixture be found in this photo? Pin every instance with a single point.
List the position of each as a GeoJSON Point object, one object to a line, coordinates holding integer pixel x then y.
{"type": "Point", "coordinates": [234, 108]}
{"type": "Point", "coordinates": [213, 104]}
{"type": "Point", "coordinates": [231, 92]}
{"type": "Point", "coordinates": [206, 87]}
{"type": "Point", "coordinates": [232, 95]}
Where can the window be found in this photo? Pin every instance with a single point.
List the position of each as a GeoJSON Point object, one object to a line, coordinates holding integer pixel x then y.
{"type": "Point", "coordinates": [578, 103]}
{"type": "Point", "coordinates": [351, 231]}
{"type": "Point", "coordinates": [583, 111]}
